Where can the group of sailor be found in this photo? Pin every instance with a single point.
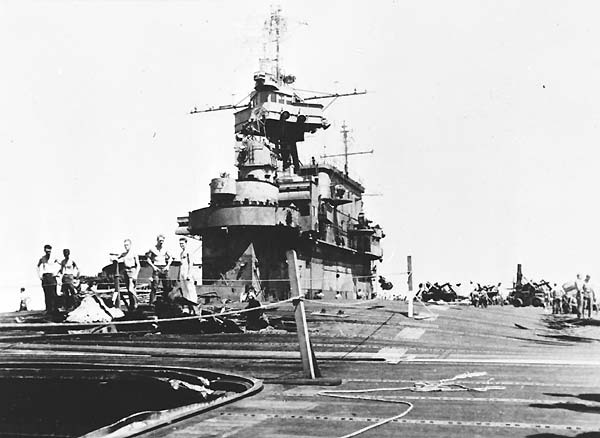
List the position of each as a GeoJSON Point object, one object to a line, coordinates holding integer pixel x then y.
{"type": "Point", "coordinates": [49, 270]}
{"type": "Point", "coordinates": [582, 301]}
{"type": "Point", "coordinates": [486, 295]}
{"type": "Point", "coordinates": [158, 258]}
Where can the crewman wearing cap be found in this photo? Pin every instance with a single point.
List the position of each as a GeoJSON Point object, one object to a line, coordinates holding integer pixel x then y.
{"type": "Point", "coordinates": [588, 297]}
{"type": "Point", "coordinates": [159, 260]}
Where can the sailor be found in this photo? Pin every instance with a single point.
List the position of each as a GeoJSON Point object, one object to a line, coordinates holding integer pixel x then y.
{"type": "Point", "coordinates": [426, 290]}
{"type": "Point", "coordinates": [420, 290]}
{"type": "Point", "coordinates": [132, 267]}
{"type": "Point", "coordinates": [557, 299]}
{"type": "Point", "coordinates": [159, 260]}
{"type": "Point", "coordinates": [579, 295]}
{"type": "Point", "coordinates": [484, 298]}
{"type": "Point", "coordinates": [474, 295]}
{"type": "Point", "coordinates": [255, 319]}
{"type": "Point", "coordinates": [500, 297]}
{"type": "Point", "coordinates": [545, 286]}
{"type": "Point", "coordinates": [588, 297]}
{"type": "Point", "coordinates": [188, 288]}
{"type": "Point", "coordinates": [24, 300]}
{"type": "Point", "coordinates": [69, 271]}
{"type": "Point", "coordinates": [48, 271]}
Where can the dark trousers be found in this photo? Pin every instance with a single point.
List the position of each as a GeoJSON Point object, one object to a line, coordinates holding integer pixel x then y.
{"type": "Point", "coordinates": [557, 305]}
{"type": "Point", "coordinates": [50, 297]}
{"type": "Point", "coordinates": [586, 308]}
{"type": "Point", "coordinates": [68, 291]}
{"type": "Point", "coordinates": [160, 276]}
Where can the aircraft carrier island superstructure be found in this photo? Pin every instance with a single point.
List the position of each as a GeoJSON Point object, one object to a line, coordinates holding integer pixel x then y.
{"type": "Point", "coordinates": [276, 204]}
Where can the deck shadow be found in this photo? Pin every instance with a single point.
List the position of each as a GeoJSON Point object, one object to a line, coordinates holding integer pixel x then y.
{"type": "Point", "coordinates": [559, 322]}
{"type": "Point", "coordinates": [588, 322]}
{"type": "Point", "coordinates": [588, 397]}
{"type": "Point", "coordinates": [570, 338]}
{"type": "Point", "coordinates": [570, 406]}
{"type": "Point", "coordinates": [554, 435]}
{"type": "Point", "coordinates": [539, 341]}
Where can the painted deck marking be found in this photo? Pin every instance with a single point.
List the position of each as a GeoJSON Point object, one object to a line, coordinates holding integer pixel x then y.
{"type": "Point", "coordinates": [441, 307]}
{"type": "Point", "coordinates": [49, 352]}
{"type": "Point", "coordinates": [406, 395]}
{"type": "Point", "coordinates": [499, 360]}
{"type": "Point", "coordinates": [219, 426]}
{"type": "Point", "coordinates": [491, 424]}
{"type": "Point", "coordinates": [411, 333]}
{"type": "Point", "coordinates": [271, 405]}
{"type": "Point", "coordinates": [482, 382]}
{"type": "Point", "coordinates": [391, 355]}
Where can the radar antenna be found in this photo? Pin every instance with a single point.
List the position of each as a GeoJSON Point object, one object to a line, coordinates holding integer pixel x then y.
{"type": "Point", "coordinates": [345, 131]}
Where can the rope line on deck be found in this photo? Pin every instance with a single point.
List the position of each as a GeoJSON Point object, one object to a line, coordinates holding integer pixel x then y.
{"type": "Point", "coordinates": [181, 318]}
{"type": "Point", "coordinates": [145, 321]}
{"type": "Point", "coordinates": [380, 423]}
{"type": "Point", "coordinates": [442, 385]}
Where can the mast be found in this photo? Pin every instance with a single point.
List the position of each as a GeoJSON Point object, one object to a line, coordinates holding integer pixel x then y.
{"type": "Point", "coordinates": [345, 140]}
{"type": "Point", "coordinates": [275, 117]}
{"type": "Point", "coordinates": [345, 131]}
{"type": "Point", "coordinates": [275, 26]}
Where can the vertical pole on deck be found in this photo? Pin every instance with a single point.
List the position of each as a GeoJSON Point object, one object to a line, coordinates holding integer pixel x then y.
{"type": "Point", "coordinates": [309, 365]}
{"type": "Point", "coordinates": [117, 298]}
{"type": "Point", "coordinates": [411, 298]}
{"type": "Point", "coordinates": [409, 271]}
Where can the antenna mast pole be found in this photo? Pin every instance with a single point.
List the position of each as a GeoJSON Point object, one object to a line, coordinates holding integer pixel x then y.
{"type": "Point", "coordinates": [345, 131]}
{"type": "Point", "coordinates": [274, 27]}
{"type": "Point", "coordinates": [277, 38]}
{"type": "Point", "coordinates": [345, 137]}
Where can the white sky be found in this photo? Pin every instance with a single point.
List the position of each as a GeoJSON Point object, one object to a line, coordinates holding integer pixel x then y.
{"type": "Point", "coordinates": [483, 115]}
